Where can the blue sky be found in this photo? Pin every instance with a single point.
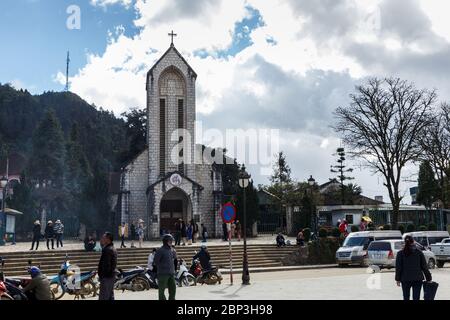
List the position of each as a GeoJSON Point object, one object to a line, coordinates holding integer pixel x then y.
{"type": "Point", "coordinates": [34, 38]}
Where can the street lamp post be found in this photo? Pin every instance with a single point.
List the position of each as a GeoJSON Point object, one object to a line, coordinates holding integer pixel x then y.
{"type": "Point", "coordinates": [244, 179]}
{"type": "Point", "coordinates": [311, 183]}
{"type": "Point", "coordinates": [3, 184]}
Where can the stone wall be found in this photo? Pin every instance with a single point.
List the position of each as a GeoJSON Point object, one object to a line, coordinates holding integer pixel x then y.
{"type": "Point", "coordinates": [136, 183]}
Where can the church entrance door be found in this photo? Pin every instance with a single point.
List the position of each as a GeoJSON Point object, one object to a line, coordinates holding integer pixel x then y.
{"type": "Point", "coordinates": [174, 205]}
{"type": "Point", "coordinates": [171, 211]}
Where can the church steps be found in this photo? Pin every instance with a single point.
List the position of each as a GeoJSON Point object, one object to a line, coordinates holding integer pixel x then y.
{"type": "Point", "coordinates": [259, 256]}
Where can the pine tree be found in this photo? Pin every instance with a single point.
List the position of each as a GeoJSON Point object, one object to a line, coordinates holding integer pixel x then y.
{"type": "Point", "coordinates": [428, 191]}
{"type": "Point", "coordinates": [47, 159]}
{"type": "Point", "coordinates": [341, 169]}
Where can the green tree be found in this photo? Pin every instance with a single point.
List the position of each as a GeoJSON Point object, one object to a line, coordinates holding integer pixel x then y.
{"type": "Point", "coordinates": [47, 159]}
{"type": "Point", "coordinates": [341, 169]}
{"type": "Point", "coordinates": [136, 132]}
{"type": "Point", "coordinates": [428, 191]}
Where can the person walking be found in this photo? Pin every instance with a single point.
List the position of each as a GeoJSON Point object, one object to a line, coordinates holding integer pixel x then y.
{"type": "Point", "coordinates": [410, 268]}
{"type": "Point", "coordinates": [165, 268]}
{"type": "Point", "coordinates": [123, 234]}
{"type": "Point", "coordinates": [224, 232]}
{"type": "Point", "coordinates": [189, 233]}
{"type": "Point", "coordinates": [194, 231]}
{"type": "Point", "coordinates": [59, 231]}
{"type": "Point", "coordinates": [204, 233]}
{"type": "Point", "coordinates": [50, 234]}
{"type": "Point", "coordinates": [183, 232]}
{"type": "Point", "coordinates": [36, 235]}
{"type": "Point", "coordinates": [132, 234]}
{"type": "Point", "coordinates": [140, 232]}
{"type": "Point", "coordinates": [107, 267]}
{"type": "Point", "coordinates": [238, 230]}
{"type": "Point", "coordinates": [178, 232]}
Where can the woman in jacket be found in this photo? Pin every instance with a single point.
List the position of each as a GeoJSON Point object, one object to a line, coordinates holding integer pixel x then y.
{"type": "Point", "coordinates": [50, 234]}
{"type": "Point", "coordinates": [410, 268]}
{"type": "Point", "coordinates": [59, 231]}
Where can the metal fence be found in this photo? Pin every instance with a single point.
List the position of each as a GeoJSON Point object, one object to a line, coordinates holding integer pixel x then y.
{"type": "Point", "coordinates": [415, 217]}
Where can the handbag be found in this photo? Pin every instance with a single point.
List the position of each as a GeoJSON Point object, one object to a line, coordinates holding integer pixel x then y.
{"type": "Point", "coordinates": [429, 290]}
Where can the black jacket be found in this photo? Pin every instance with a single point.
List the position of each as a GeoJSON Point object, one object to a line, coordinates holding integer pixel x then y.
{"type": "Point", "coordinates": [108, 262]}
{"type": "Point", "coordinates": [49, 232]}
{"type": "Point", "coordinates": [412, 267]}
{"type": "Point", "coordinates": [183, 230]}
{"type": "Point", "coordinates": [37, 230]}
{"type": "Point", "coordinates": [205, 259]}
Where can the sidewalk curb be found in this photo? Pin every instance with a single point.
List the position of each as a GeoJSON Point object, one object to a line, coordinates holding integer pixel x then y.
{"type": "Point", "coordinates": [283, 268]}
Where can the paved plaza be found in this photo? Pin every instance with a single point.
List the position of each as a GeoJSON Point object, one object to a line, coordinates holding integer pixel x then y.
{"type": "Point", "coordinates": [79, 245]}
{"type": "Point", "coordinates": [316, 284]}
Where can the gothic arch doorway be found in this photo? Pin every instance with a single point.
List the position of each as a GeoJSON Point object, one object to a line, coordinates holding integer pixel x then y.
{"type": "Point", "coordinates": [175, 205]}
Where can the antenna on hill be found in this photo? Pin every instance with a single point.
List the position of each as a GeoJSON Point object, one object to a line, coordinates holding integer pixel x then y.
{"type": "Point", "coordinates": [67, 71]}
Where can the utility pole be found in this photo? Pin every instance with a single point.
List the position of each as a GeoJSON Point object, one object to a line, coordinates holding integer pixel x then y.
{"type": "Point", "coordinates": [67, 71]}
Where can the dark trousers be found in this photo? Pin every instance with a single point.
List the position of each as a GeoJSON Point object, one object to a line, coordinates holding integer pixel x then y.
{"type": "Point", "coordinates": [204, 237]}
{"type": "Point", "coordinates": [53, 243]}
{"type": "Point", "coordinates": [107, 288]}
{"type": "Point", "coordinates": [122, 245]}
{"type": "Point", "coordinates": [177, 238]}
{"type": "Point", "coordinates": [167, 282]}
{"type": "Point", "coordinates": [36, 240]}
{"type": "Point", "coordinates": [416, 288]}
{"type": "Point", "coordinates": [59, 240]}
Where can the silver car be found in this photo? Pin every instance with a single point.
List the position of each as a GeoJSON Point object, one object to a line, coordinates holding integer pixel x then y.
{"type": "Point", "coordinates": [384, 252]}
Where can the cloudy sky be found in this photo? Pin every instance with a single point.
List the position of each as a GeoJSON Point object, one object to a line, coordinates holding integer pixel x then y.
{"type": "Point", "coordinates": [282, 64]}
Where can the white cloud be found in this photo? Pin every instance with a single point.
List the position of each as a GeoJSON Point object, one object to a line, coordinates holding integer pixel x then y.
{"type": "Point", "coordinates": [104, 3]}
{"type": "Point", "coordinates": [317, 52]}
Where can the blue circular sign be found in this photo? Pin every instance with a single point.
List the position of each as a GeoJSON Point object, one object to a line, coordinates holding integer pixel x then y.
{"type": "Point", "coordinates": [228, 212]}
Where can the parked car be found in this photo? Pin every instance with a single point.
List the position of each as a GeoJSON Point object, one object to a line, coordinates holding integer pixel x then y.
{"type": "Point", "coordinates": [384, 253]}
{"type": "Point", "coordinates": [354, 249]}
{"type": "Point", "coordinates": [427, 238]}
{"type": "Point", "coordinates": [442, 252]}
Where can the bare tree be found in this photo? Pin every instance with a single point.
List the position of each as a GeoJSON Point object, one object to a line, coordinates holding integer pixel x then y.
{"type": "Point", "coordinates": [382, 125]}
{"type": "Point", "coordinates": [435, 142]}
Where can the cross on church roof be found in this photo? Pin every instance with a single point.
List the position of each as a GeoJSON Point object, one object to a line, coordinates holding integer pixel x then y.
{"type": "Point", "coordinates": [172, 35]}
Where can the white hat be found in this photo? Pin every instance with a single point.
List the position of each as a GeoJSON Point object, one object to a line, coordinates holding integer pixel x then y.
{"type": "Point", "coordinates": [37, 222]}
{"type": "Point", "coordinates": [49, 221]}
{"type": "Point", "coordinates": [141, 221]}
{"type": "Point", "coordinates": [58, 221]}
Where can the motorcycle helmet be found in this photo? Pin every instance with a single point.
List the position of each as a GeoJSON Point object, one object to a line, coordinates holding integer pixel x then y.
{"type": "Point", "coordinates": [34, 272]}
{"type": "Point", "coordinates": [167, 238]}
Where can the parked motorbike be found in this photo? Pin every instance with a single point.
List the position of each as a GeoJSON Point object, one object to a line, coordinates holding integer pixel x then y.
{"type": "Point", "coordinates": [133, 280]}
{"type": "Point", "coordinates": [209, 277]}
{"type": "Point", "coordinates": [151, 276]}
{"type": "Point", "coordinates": [67, 281]}
{"type": "Point", "coordinates": [4, 295]}
{"type": "Point", "coordinates": [12, 286]}
{"type": "Point", "coordinates": [184, 277]}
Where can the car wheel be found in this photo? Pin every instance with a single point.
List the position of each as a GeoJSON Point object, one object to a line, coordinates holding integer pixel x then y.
{"type": "Point", "coordinates": [431, 264]}
{"type": "Point", "coordinates": [440, 264]}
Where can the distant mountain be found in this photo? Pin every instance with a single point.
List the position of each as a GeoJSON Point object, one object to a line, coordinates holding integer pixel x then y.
{"type": "Point", "coordinates": [102, 135]}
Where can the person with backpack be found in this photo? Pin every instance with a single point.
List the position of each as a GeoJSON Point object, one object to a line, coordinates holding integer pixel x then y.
{"type": "Point", "coordinates": [411, 269]}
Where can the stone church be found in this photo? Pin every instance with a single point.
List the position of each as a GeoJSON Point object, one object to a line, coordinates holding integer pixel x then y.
{"type": "Point", "coordinates": [154, 187]}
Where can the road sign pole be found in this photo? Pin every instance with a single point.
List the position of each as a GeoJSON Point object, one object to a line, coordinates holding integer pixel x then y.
{"type": "Point", "coordinates": [231, 257]}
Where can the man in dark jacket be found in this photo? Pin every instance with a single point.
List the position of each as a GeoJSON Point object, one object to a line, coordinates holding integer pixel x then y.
{"type": "Point", "coordinates": [410, 268]}
{"type": "Point", "coordinates": [36, 234]}
{"type": "Point", "coordinates": [204, 257]}
{"type": "Point", "coordinates": [107, 267]}
{"type": "Point", "coordinates": [50, 234]}
{"type": "Point", "coordinates": [165, 268]}
{"type": "Point", "coordinates": [204, 233]}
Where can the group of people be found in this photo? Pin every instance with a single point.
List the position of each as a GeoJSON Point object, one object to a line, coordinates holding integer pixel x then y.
{"type": "Point", "coordinates": [133, 232]}
{"type": "Point", "coordinates": [188, 233]}
{"type": "Point", "coordinates": [235, 231]}
{"type": "Point", "coordinates": [52, 232]}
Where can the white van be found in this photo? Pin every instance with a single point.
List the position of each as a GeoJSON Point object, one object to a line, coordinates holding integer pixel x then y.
{"type": "Point", "coordinates": [354, 249]}
{"type": "Point", "coordinates": [427, 238]}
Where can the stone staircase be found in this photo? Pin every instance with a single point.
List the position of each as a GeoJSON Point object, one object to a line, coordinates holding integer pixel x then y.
{"type": "Point", "coordinates": [259, 256]}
